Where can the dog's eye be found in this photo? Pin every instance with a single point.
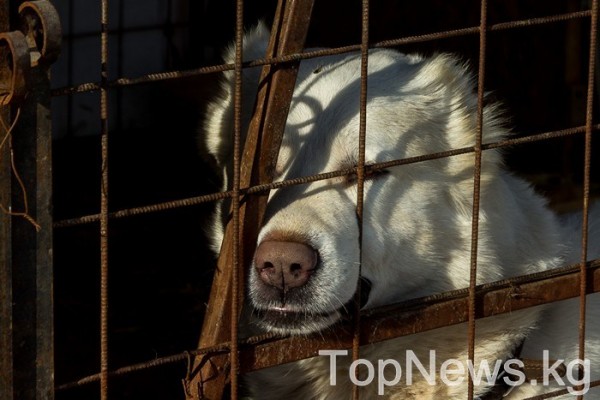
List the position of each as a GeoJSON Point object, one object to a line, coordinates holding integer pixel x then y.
{"type": "Point", "coordinates": [370, 174]}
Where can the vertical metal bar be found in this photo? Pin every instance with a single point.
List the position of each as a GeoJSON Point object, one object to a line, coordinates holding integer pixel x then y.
{"type": "Point", "coordinates": [586, 181]}
{"type": "Point", "coordinates": [33, 315]}
{"type": "Point", "coordinates": [104, 204]}
{"type": "Point", "coordinates": [44, 264]}
{"type": "Point", "coordinates": [6, 348]}
{"type": "Point", "coordinates": [476, 191]}
{"type": "Point", "coordinates": [360, 173]}
{"type": "Point", "coordinates": [235, 277]}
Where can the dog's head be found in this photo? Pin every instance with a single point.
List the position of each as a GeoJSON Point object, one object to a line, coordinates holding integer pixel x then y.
{"type": "Point", "coordinates": [416, 223]}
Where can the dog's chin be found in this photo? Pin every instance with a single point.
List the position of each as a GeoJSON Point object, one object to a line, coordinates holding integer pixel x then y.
{"type": "Point", "coordinates": [286, 322]}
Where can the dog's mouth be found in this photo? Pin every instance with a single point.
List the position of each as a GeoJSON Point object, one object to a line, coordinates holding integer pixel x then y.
{"type": "Point", "coordinates": [298, 321]}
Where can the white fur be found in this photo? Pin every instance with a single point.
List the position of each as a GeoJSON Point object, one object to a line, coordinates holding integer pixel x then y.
{"type": "Point", "coordinates": [417, 220]}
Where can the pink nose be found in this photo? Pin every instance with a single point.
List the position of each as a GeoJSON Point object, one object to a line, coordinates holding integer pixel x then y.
{"type": "Point", "coordinates": [285, 265]}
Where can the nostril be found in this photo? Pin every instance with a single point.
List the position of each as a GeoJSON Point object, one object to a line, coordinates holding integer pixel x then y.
{"type": "Point", "coordinates": [295, 267]}
{"type": "Point", "coordinates": [268, 265]}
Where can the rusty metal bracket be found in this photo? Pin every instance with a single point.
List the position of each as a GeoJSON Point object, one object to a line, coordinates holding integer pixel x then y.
{"type": "Point", "coordinates": [14, 67]}
{"type": "Point", "coordinates": [36, 43]}
{"type": "Point", "coordinates": [41, 26]}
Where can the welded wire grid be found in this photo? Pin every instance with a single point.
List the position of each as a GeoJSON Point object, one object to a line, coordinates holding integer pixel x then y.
{"type": "Point", "coordinates": [104, 85]}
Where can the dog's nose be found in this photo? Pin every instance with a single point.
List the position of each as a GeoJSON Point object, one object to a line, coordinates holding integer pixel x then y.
{"type": "Point", "coordinates": [285, 265]}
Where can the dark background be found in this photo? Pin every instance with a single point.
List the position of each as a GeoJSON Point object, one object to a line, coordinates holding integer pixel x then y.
{"type": "Point", "coordinates": [160, 267]}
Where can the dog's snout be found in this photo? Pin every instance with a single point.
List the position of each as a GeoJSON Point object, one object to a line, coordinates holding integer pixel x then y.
{"type": "Point", "coordinates": [285, 265]}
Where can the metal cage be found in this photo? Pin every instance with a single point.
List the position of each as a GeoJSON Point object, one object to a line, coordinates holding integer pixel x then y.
{"type": "Point", "coordinates": [27, 352]}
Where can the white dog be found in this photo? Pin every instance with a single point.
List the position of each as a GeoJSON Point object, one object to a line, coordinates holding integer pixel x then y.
{"type": "Point", "coordinates": [417, 226]}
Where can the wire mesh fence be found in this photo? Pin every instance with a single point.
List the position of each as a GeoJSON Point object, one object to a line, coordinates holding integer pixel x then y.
{"type": "Point", "coordinates": [224, 351]}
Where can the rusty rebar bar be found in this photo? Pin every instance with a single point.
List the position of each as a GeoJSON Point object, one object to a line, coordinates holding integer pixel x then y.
{"type": "Point", "coordinates": [406, 318]}
{"type": "Point", "coordinates": [560, 392]}
{"type": "Point", "coordinates": [235, 200]}
{"type": "Point", "coordinates": [360, 184]}
{"type": "Point", "coordinates": [165, 76]}
{"type": "Point", "coordinates": [586, 182]}
{"type": "Point", "coordinates": [104, 202]}
{"type": "Point", "coordinates": [476, 192]}
{"type": "Point", "coordinates": [193, 201]}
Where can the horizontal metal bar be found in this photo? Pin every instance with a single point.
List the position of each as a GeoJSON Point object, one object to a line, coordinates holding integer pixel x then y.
{"type": "Point", "coordinates": [560, 392]}
{"type": "Point", "coordinates": [159, 77]}
{"type": "Point", "coordinates": [192, 201]}
{"type": "Point", "coordinates": [406, 318]}
{"type": "Point", "coordinates": [425, 314]}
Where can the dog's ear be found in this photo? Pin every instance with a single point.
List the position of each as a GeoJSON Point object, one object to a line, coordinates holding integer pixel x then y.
{"type": "Point", "coordinates": [216, 139]}
{"type": "Point", "coordinates": [256, 41]}
{"type": "Point", "coordinates": [450, 82]}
